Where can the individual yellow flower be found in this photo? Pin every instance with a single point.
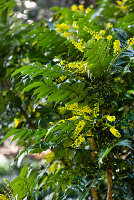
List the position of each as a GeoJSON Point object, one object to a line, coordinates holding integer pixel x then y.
{"type": "Point", "coordinates": [102, 32]}
{"type": "Point", "coordinates": [61, 27]}
{"type": "Point", "coordinates": [109, 37]}
{"type": "Point", "coordinates": [92, 32]}
{"type": "Point", "coordinates": [109, 25]}
{"type": "Point", "coordinates": [17, 121]}
{"type": "Point", "coordinates": [111, 118]}
{"type": "Point", "coordinates": [74, 8]}
{"type": "Point", "coordinates": [81, 7]}
{"type": "Point", "coordinates": [51, 123]}
{"type": "Point", "coordinates": [116, 46]}
{"type": "Point", "coordinates": [88, 10]}
{"type": "Point", "coordinates": [75, 25]}
{"type": "Point", "coordinates": [115, 132]}
{"type": "Point", "coordinates": [62, 62]}
{"type": "Point", "coordinates": [97, 36]}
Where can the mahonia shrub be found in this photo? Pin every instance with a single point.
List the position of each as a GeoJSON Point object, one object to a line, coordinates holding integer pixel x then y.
{"type": "Point", "coordinates": [86, 72]}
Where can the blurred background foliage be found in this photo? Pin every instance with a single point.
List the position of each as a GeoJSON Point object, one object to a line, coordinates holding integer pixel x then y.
{"type": "Point", "coordinates": [17, 49]}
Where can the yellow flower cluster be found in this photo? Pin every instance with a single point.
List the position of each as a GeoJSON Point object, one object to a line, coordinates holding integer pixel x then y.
{"type": "Point", "coordinates": [96, 110]}
{"type": "Point", "coordinates": [17, 121]}
{"type": "Point", "coordinates": [79, 45]}
{"type": "Point", "coordinates": [116, 46]}
{"type": "Point", "coordinates": [2, 197]}
{"type": "Point", "coordinates": [79, 127]}
{"type": "Point", "coordinates": [80, 111]}
{"type": "Point", "coordinates": [71, 106]}
{"type": "Point", "coordinates": [65, 34]}
{"type": "Point", "coordinates": [78, 141]}
{"type": "Point", "coordinates": [62, 78]}
{"type": "Point", "coordinates": [62, 62]}
{"type": "Point", "coordinates": [75, 8]}
{"type": "Point", "coordinates": [121, 5]}
{"type": "Point", "coordinates": [51, 123]}
{"type": "Point", "coordinates": [84, 111]}
{"type": "Point", "coordinates": [115, 132]}
{"type": "Point", "coordinates": [130, 42]}
{"type": "Point", "coordinates": [62, 27]}
{"type": "Point", "coordinates": [96, 35]}
{"type": "Point", "coordinates": [111, 118]}
{"type": "Point", "coordinates": [77, 66]}
{"type": "Point", "coordinates": [81, 8]}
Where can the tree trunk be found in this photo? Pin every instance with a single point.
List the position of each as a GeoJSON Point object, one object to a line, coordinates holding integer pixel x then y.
{"type": "Point", "coordinates": [93, 189]}
{"type": "Point", "coordinates": [109, 177]}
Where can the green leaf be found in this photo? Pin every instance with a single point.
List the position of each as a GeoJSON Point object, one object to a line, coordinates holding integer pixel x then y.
{"type": "Point", "coordinates": [103, 154]}
{"type": "Point", "coordinates": [19, 134]}
{"type": "Point", "coordinates": [105, 151]}
{"type": "Point", "coordinates": [24, 171]}
{"type": "Point", "coordinates": [126, 143]}
{"type": "Point", "coordinates": [33, 85]}
{"type": "Point", "coordinates": [11, 132]}
{"type": "Point", "coordinates": [21, 70]}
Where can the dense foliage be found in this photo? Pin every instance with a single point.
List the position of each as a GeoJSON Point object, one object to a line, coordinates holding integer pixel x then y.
{"type": "Point", "coordinates": [68, 86]}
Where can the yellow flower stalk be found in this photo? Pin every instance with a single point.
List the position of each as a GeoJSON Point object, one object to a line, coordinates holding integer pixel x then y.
{"type": "Point", "coordinates": [130, 42]}
{"type": "Point", "coordinates": [116, 46]}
